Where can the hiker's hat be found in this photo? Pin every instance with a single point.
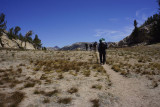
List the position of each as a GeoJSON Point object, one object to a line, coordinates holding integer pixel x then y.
{"type": "Point", "coordinates": [102, 39]}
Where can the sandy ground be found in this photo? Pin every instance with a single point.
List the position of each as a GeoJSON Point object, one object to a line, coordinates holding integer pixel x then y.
{"type": "Point", "coordinates": [53, 79]}
{"type": "Point", "coordinates": [69, 79]}
{"type": "Point", "coordinates": [133, 92]}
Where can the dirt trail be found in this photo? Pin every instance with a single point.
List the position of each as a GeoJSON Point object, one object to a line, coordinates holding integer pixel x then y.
{"type": "Point", "coordinates": [133, 92]}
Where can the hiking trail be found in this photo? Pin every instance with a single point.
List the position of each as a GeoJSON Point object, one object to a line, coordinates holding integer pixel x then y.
{"type": "Point", "coordinates": [133, 91]}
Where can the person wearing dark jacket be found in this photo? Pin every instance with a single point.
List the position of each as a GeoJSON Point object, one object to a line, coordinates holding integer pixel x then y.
{"type": "Point", "coordinates": [95, 46]}
{"type": "Point", "coordinates": [102, 51]}
{"type": "Point", "coordinates": [86, 45]}
{"type": "Point", "coordinates": [90, 46]}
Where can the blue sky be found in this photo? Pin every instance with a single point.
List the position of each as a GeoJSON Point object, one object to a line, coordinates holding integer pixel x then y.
{"type": "Point", "coordinates": [63, 22]}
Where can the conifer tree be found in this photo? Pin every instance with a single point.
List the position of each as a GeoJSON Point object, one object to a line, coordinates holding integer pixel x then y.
{"type": "Point", "coordinates": [37, 42]}
{"type": "Point", "coordinates": [27, 36]}
{"type": "Point", "coordinates": [2, 26]}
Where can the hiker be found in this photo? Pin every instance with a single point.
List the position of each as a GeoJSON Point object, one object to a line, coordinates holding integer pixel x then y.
{"type": "Point", "coordinates": [90, 46]}
{"type": "Point", "coordinates": [102, 50]}
{"type": "Point", "coordinates": [95, 46]}
{"type": "Point", "coordinates": [86, 45]}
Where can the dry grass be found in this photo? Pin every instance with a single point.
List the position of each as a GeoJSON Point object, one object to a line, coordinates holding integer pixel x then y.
{"type": "Point", "coordinates": [97, 86]}
{"type": "Point", "coordinates": [65, 100]}
{"type": "Point", "coordinates": [48, 94]}
{"type": "Point", "coordinates": [60, 76]}
{"type": "Point", "coordinates": [140, 60]}
{"type": "Point", "coordinates": [46, 100]}
{"type": "Point", "coordinates": [72, 90]}
{"type": "Point", "coordinates": [29, 84]}
{"type": "Point", "coordinates": [95, 102]}
{"type": "Point", "coordinates": [116, 68]}
{"type": "Point", "coordinates": [12, 99]}
{"type": "Point", "coordinates": [44, 71]}
{"type": "Point", "coordinates": [87, 73]}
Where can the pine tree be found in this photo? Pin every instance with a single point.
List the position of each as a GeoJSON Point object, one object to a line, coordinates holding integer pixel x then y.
{"type": "Point", "coordinates": [11, 33]}
{"type": "Point", "coordinates": [16, 30]}
{"type": "Point", "coordinates": [27, 36]}
{"type": "Point", "coordinates": [21, 38]}
{"type": "Point", "coordinates": [134, 35]}
{"type": "Point", "coordinates": [2, 26]}
{"type": "Point", "coordinates": [37, 42]}
{"type": "Point", "coordinates": [155, 31]}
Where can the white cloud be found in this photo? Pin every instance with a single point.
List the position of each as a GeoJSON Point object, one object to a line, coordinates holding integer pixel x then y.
{"type": "Point", "coordinates": [113, 35]}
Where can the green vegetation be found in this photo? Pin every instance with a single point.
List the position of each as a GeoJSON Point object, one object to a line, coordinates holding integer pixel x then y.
{"type": "Point", "coordinates": [2, 26]}
{"type": "Point", "coordinates": [14, 33]}
{"type": "Point", "coordinates": [37, 42]}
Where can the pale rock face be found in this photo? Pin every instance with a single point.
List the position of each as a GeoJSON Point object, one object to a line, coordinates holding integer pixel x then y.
{"type": "Point", "coordinates": [8, 43]}
{"type": "Point", "coordinates": [15, 43]}
{"type": "Point", "coordinates": [28, 45]}
{"type": "Point", "coordinates": [19, 42]}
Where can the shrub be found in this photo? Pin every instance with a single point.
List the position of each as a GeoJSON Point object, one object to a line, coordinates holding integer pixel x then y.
{"type": "Point", "coordinates": [46, 100]}
{"type": "Point", "coordinates": [72, 90]}
{"type": "Point", "coordinates": [86, 73]}
{"type": "Point", "coordinates": [65, 100]}
{"type": "Point", "coordinates": [116, 68]}
{"type": "Point", "coordinates": [29, 84]}
{"type": "Point", "coordinates": [51, 93]}
{"type": "Point", "coordinates": [95, 102]}
{"type": "Point", "coordinates": [97, 86]}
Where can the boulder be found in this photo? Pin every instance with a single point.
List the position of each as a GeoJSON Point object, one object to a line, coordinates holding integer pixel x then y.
{"type": "Point", "coordinates": [28, 45]}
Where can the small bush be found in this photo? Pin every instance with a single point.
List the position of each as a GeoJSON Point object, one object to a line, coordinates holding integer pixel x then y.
{"type": "Point", "coordinates": [87, 73]}
{"type": "Point", "coordinates": [29, 84]}
{"type": "Point", "coordinates": [72, 90]}
{"type": "Point", "coordinates": [65, 100]}
{"type": "Point", "coordinates": [116, 68]}
{"type": "Point", "coordinates": [97, 86]}
{"type": "Point", "coordinates": [60, 76]}
{"type": "Point", "coordinates": [95, 102]}
{"type": "Point", "coordinates": [51, 93]}
{"type": "Point", "coordinates": [12, 100]}
{"type": "Point", "coordinates": [38, 92]}
{"type": "Point", "coordinates": [46, 100]}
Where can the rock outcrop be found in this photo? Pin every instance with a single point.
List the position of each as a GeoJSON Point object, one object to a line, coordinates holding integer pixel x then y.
{"type": "Point", "coordinates": [14, 43]}
{"type": "Point", "coordinates": [142, 38]}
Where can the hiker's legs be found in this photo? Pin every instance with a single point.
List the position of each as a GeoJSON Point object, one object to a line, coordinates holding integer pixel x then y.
{"type": "Point", "coordinates": [104, 58]}
{"type": "Point", "coordinates": [100, 56]}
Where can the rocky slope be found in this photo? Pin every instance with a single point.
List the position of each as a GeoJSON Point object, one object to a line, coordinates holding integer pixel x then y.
{"type": "Point", "coordinates": [14, 43]}
{"type": "Point", "coordinates": [142, 38]}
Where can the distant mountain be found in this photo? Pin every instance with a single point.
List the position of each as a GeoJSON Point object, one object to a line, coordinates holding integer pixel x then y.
{"type": "Point", "coordinates": [53, 48]}
{"type": "Point", "coordinates": [75, 46]}
{"type": "Point", "coordinates": [144, 36]}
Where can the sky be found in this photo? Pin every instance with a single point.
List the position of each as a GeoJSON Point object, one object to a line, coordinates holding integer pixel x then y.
{"type": "Point", "coordinates": [64, 22]}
